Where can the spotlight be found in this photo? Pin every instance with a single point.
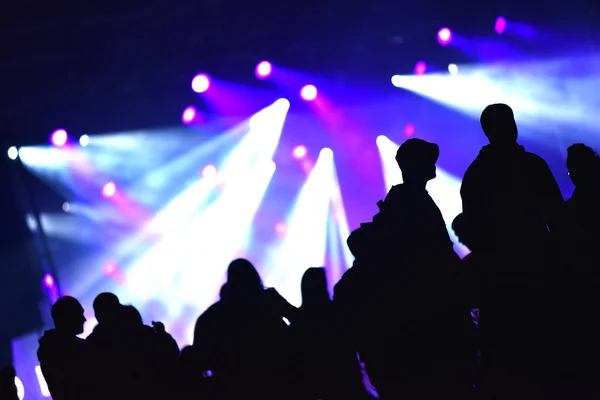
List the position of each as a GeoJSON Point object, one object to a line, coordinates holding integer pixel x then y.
{"type": "Point", "coordinates": [200, 83]}
{"type": "Point", "coordinates": [308, 92]}
{"type": "Point", "coordinates": [188, 115]}
{"type": "Point", "coordinates": [109, 268]}
{"type": "Point", "coordinates": [299, 152]}
{"type": "Point", "coordinates": [326, 153]}
{"type": "Point", "coordinates": [84, 140]}
{"type": "Point", "coordinates": [263, 70]}
{"type": "Point", "coordinates": [444, 36]}
{"type": "Point", "coordinates": [59, 137]}
{"type": "Point", "coordinates": [66, 207]}
{"type": "Point", "coordinates": [13, 153]}
{"type": "Point", "coordinates": [409, 130]}
{"type": "Point", "coordinates": [453, 69]}
{"type": "Point", "coordinates": [280, 228]}
{"type": "Point", "coordinates": [109, 189]}
{"type": "Point", "coordinates": [210, 171]}
{"type": "Point", "coordinates": [48, 281]}
{"type": "Point", "coordinates": [420, 68]}
{"type": "Point", "coordinates": [500, 25]}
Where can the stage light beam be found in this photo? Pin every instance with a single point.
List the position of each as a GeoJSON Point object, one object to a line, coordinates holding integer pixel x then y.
{"type": "Point", "coordinates": [308, 93]}
{"type": "Point", "coordinates": [59, 138]}
{"type": "Point", "coordinates": [500, 25]}
{"type": "Point", "coordinates": [263, 70]}
{"type": "Point", "coordinates": [299, 152]}
{"type": "Point", "coordinates": [84, 140]}
{"type": "Point", "coordinates": [13, 153]}
{"type": "Point", "coordinates": [109, 189]}
{"type": "Point", "coordinates": [444, 36]}
{"type": "Point", "coordinates": [200, 83]}
{"type": "Point", "coordinates": [453, 69]}
{"type": "Point", "coordinates": [420, 68]}
{"type": "Point", "coordinates": [189, 115]}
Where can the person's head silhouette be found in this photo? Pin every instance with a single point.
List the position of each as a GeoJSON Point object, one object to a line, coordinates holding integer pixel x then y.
{"type": "Point", "coordinates": [314, 287]}
{"type": "Point", "coordinates": [416, 159]}
{"type": "Point", "coordinates": [67, 314]}
{"type": "Point", "coordinates": [498, 124]}
{"type": "Point", "coordinates": [583, 164]}
{"type": "Point", "coordinates": [461, 229]}
{"type": "Point", "coordinates": [243, 279]}
{"type": "Point", "coordinates": [107, 308]}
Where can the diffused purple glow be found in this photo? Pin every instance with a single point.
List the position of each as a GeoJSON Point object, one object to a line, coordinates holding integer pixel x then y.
{"type": "Point", "coordinates": [59, 137]}
{"type": "Point", "coordinates": [308, 92]}
{"type": "Point", "coordinates": [188, 115]}
{"type": "Point", "coordinates": [200, 83]}
{"type": "Point", "coordinates": [299, 152]}
{"type": "Point", "coordinates": [500, 25]}
{"type": "Point", "coordinates": [109, 189]}
{"type": "Point", "coordinates": [420, 68]}
{"type": "Point", "coordinates": [48, 281]}
{"type": "Point", "coordinates": [444, 36]}
{"type": "Point", "coordinates": [263, 70]}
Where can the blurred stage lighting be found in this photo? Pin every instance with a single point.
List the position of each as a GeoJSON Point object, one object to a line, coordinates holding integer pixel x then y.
{"type": "Point", "coordinates": [109, 268]}
{"type": "Point", "coordinates": [308, 93]}
{"type": "Point", "coordinates": [109, 189]}
{"type": "Point", "coordinates": [280, 228]}
{"type": "Point", "coordinates": [20, 388]}
{"type": "Point", "coordinates": [500, 25]}
{"type": "Point", "coordinates": [189, 115]}
{"type": "Point", "coordinates": [420, 68]}
{"type": "Point", "coordinates": [84, 140]}
{"type": "Point", "coordinates": [66, 207]}
{"type": "Point", "coordinates": [48, 281]}
{"type": "Point", "coordinates": [263, 70]}
{"type": "Point", "coordinates": [210, 171]}
{"type": "Point", "coordinates": [453, 69]}
{"type": "Point", "coordinates": [299, 152]}
{"type": "Point", "coordinates": [444, 36]}
{"type": "Point", "coordinates": [200, 83]}
{"type": "Point", "coordinates": [409, 130]}
{"type": "Point", "coordinates": [59, 138]}
{"type": "Point", "coordinates": [13, 153]}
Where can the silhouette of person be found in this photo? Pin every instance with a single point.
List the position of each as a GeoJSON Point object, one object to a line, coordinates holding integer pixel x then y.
{"type": "Point", "coordinates": [8, 389]}
{"type": "Point", "coordinates": [62, 354]}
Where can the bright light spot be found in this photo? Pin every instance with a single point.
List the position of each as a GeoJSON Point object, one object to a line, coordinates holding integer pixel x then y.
{"type": "Point", "coordinates": [263, 70]}
{"type": "Point", "coordinates": [59, 137]}
{"type": "Point", "coordinates": [299, 152]}
{"type": "Point", "coordinates": [420, 68]}
{"type": "Point", "coordinates": [396, 80]}
{"type": "Point", "coordinates": [453, 69]}
{"type": "Point", "coordinates": [326, 153]}
{"type": "Point", "coordinates": [48, 280]}
{"type": "Point", "coordinates": [409, 130]}
{"type": "Point", "coordinates": [109, 268]}
{"type": "Point", "coordinates": [109, 189]}
{"type": "Point", "coordinates": [188, 115]}
{"type": "Point", "coordinates": [280, 228]}
{"type": "Point", "coordinates": [444, 36]}
{"type": "Point", "coordinates": [308, 92]}
{"type": "Point", "coordinates": [13, 153]}
{"type": "Point", "coordinates": [200, 83]}
{"type": "Point", "coordinates": [42, 381]}
{"type": "Point", "coordinates": [381, 140]}
{"type": "Point", "coordinates": [210, 171]}
{"type": "Point", "coordinates": [283, 103]}
{"type": "Point", "coordinates": [500, 25]}
{"type": "Point", "coordinates": [84, 140]}
{"type": "Point", "coordinates": [20, 388]}
{"type": "Point", "coordinates": [66, 207]}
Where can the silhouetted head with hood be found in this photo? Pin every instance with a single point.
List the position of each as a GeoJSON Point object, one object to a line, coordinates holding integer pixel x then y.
{"type": "Point", "coordinates": [67, 314]}
{"type": "Point", "coordinates": [243, 281]}
{"type": "Point", "coordinates": [498, 124]}
{"type": "Point", "coordinates": [108, 309]}
{"type": "Point", "coordinates": [314, 288]}
{"type": "Point", "coordinates": [583, 164]}
{"type": "Point", "coordinates": [416, 159]}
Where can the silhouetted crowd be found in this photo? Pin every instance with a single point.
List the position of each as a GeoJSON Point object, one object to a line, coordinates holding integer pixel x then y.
{"type": "Point", "coordinates": [516, 318]}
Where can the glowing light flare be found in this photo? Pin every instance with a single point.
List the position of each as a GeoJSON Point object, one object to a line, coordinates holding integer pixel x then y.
{"type": "Point", "coordinates": [453, 69]}
{"type": "Point", "coordinates": [20, 388]}
{"type": "Point", "coordinates": [308, 93]}
{"type": "Point", "coordinates": [41, 381]}
{"type": "Point", "coordinates": [66, 206]}
{"type": "Point", "coordinates": [59, 138]}
{"type": "Point", "coordinates": [444, 36]}
{"type": "Point", "coordinates": [209, 172]}
{"type": "Point", "coordinates": [200, 83]}
{"type": "Point", "coordinates": [12, 153]}
{"type": "Point", "coordinates": [189, 115]}
{"type": "Point", "coordinates": [420, 69]}
{"type": "Point", "coordinates": [48, 281]}
{"type": "Point", "coordinates": [280, 228]}
{"type": "Point", "coordinates": [409, 130]}
{"type": "Point", "coordinates": [263, 70]}
{"type": "Point", "coordinates": [109, 268]}
{"type": "Point", "coordinates": [299, 152]}
{"type": "Point", "coordinates": [84, 140]}
{"type": "Point", "coordinates": [500, 25]}
{"type": "Point", "coordinates": [109, 189]}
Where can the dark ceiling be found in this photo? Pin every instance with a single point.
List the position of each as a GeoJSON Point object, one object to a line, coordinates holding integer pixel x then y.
{"type": "Point", "coordinates": [113, 65]}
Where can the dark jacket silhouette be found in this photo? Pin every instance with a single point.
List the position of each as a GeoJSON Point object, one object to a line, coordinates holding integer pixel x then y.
{"type": "Point", "coordinates": [8, 389]}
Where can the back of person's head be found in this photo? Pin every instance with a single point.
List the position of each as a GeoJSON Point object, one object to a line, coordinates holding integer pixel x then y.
{"type": "Point", "coordinates": [416, 158]}
{"type": "Point", "coordinates": [107, 308]}
{"type": "Point", "coordinates": [67, 314]}
{"type": "Point", "coordinates": [243, 278]}
{"type": "Point", "coordinates": [461, 228]}
{"type": "Point", "coordinates": [314, 286]}
{"type": "Point", "coordinates": [223, 292]}
{"type": "Point", "coordinates": [359, 240]}
{"type": "Point", "coordinates": [132, 316]}
{"type": "Point", "coordinates": [583, 164]}
{"type": "Point", "coordinates": [498, 124]}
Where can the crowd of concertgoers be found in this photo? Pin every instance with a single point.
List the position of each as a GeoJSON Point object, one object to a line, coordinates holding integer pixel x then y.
{"type": "Point", "coordinates": [405, 309]}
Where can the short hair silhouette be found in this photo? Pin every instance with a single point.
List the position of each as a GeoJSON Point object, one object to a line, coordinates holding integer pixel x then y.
{"type": "Point", "coordinates": [314, 286]}
{"type": "Point", "coordinates": [499, 125]}
{"type": "Point", "coordinates": [416, 159]}
{"type": "Point", "coordinates": [460, 226]}
{"type": "Point", "coordinates": [583, 164]}
{"type": "Point", "coordinates": [242, 275]}
{"type": "Point", "coordinates": [132, 315]}
{"type": "Point", "coordinates": [106, 307]}
{"type": "Point", "coordinates": [67, 314]}
{"type": "Point", "coordinates": [359, 240]}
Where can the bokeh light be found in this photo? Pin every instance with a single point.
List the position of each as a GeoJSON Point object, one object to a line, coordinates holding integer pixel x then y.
{"type": "Point", "coordinates": [109, 189]}
{"type": "Point", "coordinates": [48, 281]}
{"type": "Point", "coordinates": [84, 140]}
{"type": "Point", "coordinates": [13, 153]}
{"type": "Point", "coordinates": [280, 228]}
{"type": "Point", "coordinates": [409, 130]}
{"type": "Point", "coordinates": [299, 152]}
{"type": "Point", "coordinates": [66, 206]}
{"type": "Point", "coordinates": [109, 268]}
{"type": "Point", "coordinates": [444, 36]}
{"type": "Point", "coordinates": [500, 25]}
{"type": "Point", "coordinates": [188, 115]}
{"type": "Point", "coordinates": [420, 68]}
{"type": "Point", "coordinates": [59, 137]}
{"type": "Point", "coordinates": [453, 69]}
{"type": "Point", "coordinates": [210, 171]}
{"type": "Point", "coordinates": [200, 83]}
{"type": "Point", "coordinates": [308, 93]}
{"type": "Point", "coordinates": [263, 70]}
